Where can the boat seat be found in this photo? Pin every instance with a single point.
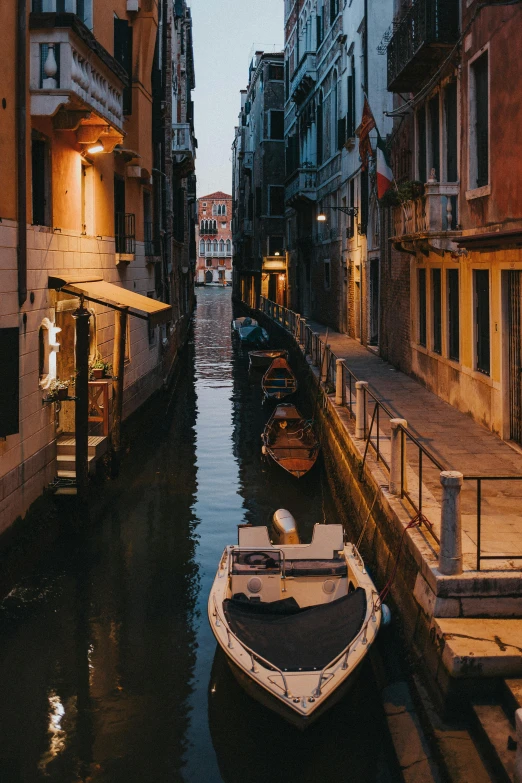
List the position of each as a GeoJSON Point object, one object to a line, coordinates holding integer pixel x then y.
{"type": "Point", "coordinates": [316, 568]}
{"type": "Point", "coordinates": [239, 569]}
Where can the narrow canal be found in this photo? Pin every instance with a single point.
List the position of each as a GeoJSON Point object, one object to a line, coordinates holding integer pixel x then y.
{"type": "Point", "coordinates": [108, 669]}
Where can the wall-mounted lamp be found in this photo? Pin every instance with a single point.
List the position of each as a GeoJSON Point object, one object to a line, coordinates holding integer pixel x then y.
{"type": "Point", "coordinates": [277, 253]}
{"type": "Point", "coordinates": [351, 211]}
{"type": "Point", "coordinates": [95, 148]}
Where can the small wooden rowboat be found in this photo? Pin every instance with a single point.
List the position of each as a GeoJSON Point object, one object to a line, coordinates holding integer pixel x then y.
{"type": "Point", "coordinates": [265, 358]}
{"type": "Point", "coordinates": [279, 381]}
{"type": "Point", "coordinates": [289, 440]}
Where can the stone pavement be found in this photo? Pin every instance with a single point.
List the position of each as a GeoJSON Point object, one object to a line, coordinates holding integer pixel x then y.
{"type": "Point", "coordinates": [457, 441]}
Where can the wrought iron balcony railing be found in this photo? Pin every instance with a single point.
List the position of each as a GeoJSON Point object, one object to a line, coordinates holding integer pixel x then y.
{"type": "Point", "coordinates": [422, 38]}
{"type": "Point", "coordinates": [125, 233]}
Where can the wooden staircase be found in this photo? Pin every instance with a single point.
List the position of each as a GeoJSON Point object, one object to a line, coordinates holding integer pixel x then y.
{"type": "Point", "coordinates": [66, 460]}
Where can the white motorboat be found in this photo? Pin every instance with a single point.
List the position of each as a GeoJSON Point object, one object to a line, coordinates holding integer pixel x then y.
{"type": "Point", "coordinates": [295, 620]}
{"type": "Point", "coordinates": [240, 323]}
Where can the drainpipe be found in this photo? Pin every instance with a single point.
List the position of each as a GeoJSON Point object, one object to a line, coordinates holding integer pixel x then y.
{"type": "Point", "coordinates": [21, 149]}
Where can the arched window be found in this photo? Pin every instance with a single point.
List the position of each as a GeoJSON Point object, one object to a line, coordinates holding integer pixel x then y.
{"type": "Point", "coordinates": [209, 246]}
{"type": "Point", "coordinates": [202, 227]}
{"type": "Point", "coordinates": [214, 246]}
{"type": "Point", "coordinates": [224, 212]}
{"type": "Point", "coordinates": [214, 225]}
{"type": "Point", "coordinates": [229, 247]}
{"type": "Point", "coordinates": [202, 248]}
{"type": "Point", "coordinates": [221, 246]}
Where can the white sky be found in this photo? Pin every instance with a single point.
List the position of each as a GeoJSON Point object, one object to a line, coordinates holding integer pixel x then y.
{"type": "Point", "coordinates": [226, 33]}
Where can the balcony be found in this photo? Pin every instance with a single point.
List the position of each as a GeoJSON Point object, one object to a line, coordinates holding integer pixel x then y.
{"type": "Point", "coordinates": [304, 78]}
{"type": "Point", "coordinates": [301, 187]}
{"type": "Point", "coordinates": [183, 148]}
{"type": "Point", "coordinates": [248, 160]}
{"type": "Point", "coordinates": [125, 235]}
{"type": "Point", "coordinates": [70, 69]}
{"type": "Point", "coordinates": [420, 42]}
{"type": "Point", "coordinates": [431, 220]}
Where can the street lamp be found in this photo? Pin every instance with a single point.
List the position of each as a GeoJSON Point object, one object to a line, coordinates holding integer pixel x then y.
{"type": "Point", "coordinates": [351, 211]}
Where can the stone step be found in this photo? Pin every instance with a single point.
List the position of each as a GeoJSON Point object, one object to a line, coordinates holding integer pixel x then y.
{"type": "Point", "coordinates": [64, 491]}
{"type": "Point", "coordinates": [497, 739]}
{"type": "Point", "coordinates": [512, 696]}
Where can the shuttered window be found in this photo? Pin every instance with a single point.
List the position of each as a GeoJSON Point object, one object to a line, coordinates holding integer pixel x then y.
{"type": "Point", "coordinates": [9, 388]}
{"type": "Point", "coordinates": [436, 304]}
{"type": "Point", "coordinates": [123, 55]}
{"type": "Point", "coordinates": [433, 110]}
{"type": "Point", "coordinates": [453, 314]}
{"type": "Point", "coordinates": [482, 336]}
{"type": "Point", "coordinates": [421, 289]}
{"type": "Point", "coordinates": [481, 120]}
{"type": "Point", "coordinates": [450, 108]}
{"type": "Point", "coordinates": [350, 119]}
{"type": "Point", "coordinates": [277, 130]}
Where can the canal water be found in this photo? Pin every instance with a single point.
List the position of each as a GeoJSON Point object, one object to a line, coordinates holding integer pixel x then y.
{"type": "Point", "coordinates": [109, 672]}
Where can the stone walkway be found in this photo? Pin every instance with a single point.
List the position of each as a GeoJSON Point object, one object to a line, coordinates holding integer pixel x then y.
{"type": "Point", "coordinates": [457, 441]}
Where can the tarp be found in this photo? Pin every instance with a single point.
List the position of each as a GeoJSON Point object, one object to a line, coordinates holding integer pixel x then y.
{"type": "Point", "coordinates": [97, 290]}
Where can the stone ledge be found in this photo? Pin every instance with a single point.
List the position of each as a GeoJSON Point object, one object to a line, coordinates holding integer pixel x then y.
{"type": "Point", "coordinates": [496, 646]}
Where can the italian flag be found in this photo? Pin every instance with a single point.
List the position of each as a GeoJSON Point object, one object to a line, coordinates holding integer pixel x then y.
{"type": "Point", "coordinates": [384, 172]}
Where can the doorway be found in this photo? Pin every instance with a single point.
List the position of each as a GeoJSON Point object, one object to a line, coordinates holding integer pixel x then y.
{"type": "Point", "coordinates": [374, 302]}
{"type": "Point", "coordinates": [514, 296]}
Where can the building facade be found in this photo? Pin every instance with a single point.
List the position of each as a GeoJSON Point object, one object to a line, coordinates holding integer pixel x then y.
{"type": "Point", "coordinates": [456, 231]}
{"type": "Point", "coordinates": [331, 65]}
{"type": "Point", "coordinates": [96, 216]}
{"type": "Point", "coordinates": [214, 239]}
{"type": "Point", "coordinates": [258, 171]}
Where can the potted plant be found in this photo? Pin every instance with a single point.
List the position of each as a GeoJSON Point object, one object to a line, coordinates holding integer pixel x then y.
{"type": "Point", "coordinates": [99, 369]}
{"type": "Point", "coordinates": [59, 390]}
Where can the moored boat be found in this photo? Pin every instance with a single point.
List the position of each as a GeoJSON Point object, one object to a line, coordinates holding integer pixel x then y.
{"type": "Point", "coordinates": [279, 381]}
{"type": "Point", "coordinates": [289, 440]}
{"type": "Point", "coordinates": [265, 358]}
{"type": "Point", "coordinates": [245, 320]}
{"type": "Point", "coordinates": [253, 335]}
{"type": "Point", "coordinates": [295, 620]}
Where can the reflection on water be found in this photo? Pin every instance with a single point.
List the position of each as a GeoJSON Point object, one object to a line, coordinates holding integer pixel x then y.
{"type": "Point", "coordinates": [108, 667]}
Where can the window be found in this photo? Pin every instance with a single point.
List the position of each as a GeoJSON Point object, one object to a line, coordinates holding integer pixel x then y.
{"type": "Point", "coordinates": [223, 225]}
{"type": "Point", "coordinates": [277, 130]}
{"type": "Point", "coordinates": [202, 248]}
{"type": "Point", "coordinates": [482, 339]}
{"type": "Point", "coordinates": [275, 245]}
{"type": "Point", "coordinates": [433, 111]}
{"type": "Point", "coordinates": [84, 11]}
{"type": "Point", "coordinates": [436, 309]}
{"type": "Point", "coordinates": [421, 144]}
{"type": "Point", "coordinates": [10, 386]}
{"type": "Point", "coordinates": [479, 119]}
{"type": "Point", "coordinates": [319, 129]}
{"type": "Point", "coordinates": [334, 10]}
{"type": "Point", "coordinates": [452, 282]}
{"type": "Point", "coordinates": [208, 262]}
{"type": "Point", "coordinates": [215, 246]}
{"type": "Point", "coordinates": [350, 118]}
{"type": "Point", "coordinates": [276, 72]}
{"type": "Point", "coordinates": [327, 273]}
{"type": "Point", "coordinates": [319, 23]}
{"type": "Point", "coordinates": [209, 246]}
{"type": "Point", "coordinates": [151, 329]}
{"type": "Point", "coordinates": [229, 247]}
{"type": "Point", "coordinates": [41, 179]}
{"type": "Point", "coordinates": [450, 110]}
{"type": "Point", "coordinates": [221, 247]}
{"type": "Point", "coordinates": [277, 200]}
{"type": "Point", "coordinates": [421, 292]}
{"type": "Point", "coordinates": [123, 55]}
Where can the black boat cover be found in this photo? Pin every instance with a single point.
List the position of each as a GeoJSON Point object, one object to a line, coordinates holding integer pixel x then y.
{"type": "Point", "coordinates": [298, 640]}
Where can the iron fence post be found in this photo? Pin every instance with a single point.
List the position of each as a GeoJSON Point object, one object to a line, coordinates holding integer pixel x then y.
{"type": "Point", "coordinates": [397, 456]}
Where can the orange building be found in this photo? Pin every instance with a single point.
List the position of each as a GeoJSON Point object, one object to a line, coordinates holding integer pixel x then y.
{"type": "Point", "coordinates": [214, 235]}
{"type": "Point", "coordinates": [97, 118]}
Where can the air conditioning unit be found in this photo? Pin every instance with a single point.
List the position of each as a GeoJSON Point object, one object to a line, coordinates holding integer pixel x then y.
{"type": "Point", "coordinates": [133, 5]}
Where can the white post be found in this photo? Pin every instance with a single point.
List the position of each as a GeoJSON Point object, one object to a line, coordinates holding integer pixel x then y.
{"type": "Point", "coordinates": [339, 382]}
{"type": "Point", "coordinates": [518, 757]}
{"type": "Point", "coordinates": [360, 386]}
{"type": "Point", "coordinates": [397, 458]}
{"type": "Point", "coordinates": [450, 556]}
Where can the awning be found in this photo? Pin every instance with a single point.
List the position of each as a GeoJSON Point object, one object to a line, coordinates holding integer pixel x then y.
{"type": "Point", "coordinates": [110, 295]}
{"type": "Point", "coordinates": [490, 240]}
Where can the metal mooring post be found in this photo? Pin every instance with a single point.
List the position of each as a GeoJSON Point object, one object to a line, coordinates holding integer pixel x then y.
{"type": "Point", "coordinates": [450, 556]}
{"type": "Point", "coordinates": [397, 457]}
{"type": "Point", "coordinates": [360, 387]}
{"type": "Point", "coordinates": [81, 412]}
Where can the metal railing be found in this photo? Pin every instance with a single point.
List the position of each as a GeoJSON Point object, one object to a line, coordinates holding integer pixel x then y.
{"type": "Point", "coordinates": [479, 481]}
{"type": "Point", "coordinates": [375, 430]}
{"type": "Point", "coordinates": [125, 233]}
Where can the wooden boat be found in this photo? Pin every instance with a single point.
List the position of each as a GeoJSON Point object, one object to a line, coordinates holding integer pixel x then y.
{"type": "Point", "coordinates": [290, 441]}
{"type": "Point", "coordinates": [253, 335]}
{"type": "Point", "coordinates": [279, 381]}
{"type": "Point", "coordinates": [245, 320]}
{"type": "Point", "coordinates": [265, 358]}
{"type": "Point", "coordinates": [295, 620]}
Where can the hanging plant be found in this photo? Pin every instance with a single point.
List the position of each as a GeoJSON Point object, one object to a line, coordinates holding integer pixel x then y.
{"type": "Point", "coordinates": [408, 190]}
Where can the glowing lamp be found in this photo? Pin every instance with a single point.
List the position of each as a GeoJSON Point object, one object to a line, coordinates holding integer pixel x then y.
{"type": "Point", "coordinates": [95, 148]}
{"type": "Point", "coordinates": [321, 218]}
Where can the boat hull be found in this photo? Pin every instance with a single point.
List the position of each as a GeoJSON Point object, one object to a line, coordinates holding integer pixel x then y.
{"type": "Point", "coordinates": [264, 359]}
{"type": "Point", "coordinates": [264, 697]}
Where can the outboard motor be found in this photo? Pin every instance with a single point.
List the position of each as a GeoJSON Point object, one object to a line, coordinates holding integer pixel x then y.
{"type": "Point", "coordinates": [285, 531]}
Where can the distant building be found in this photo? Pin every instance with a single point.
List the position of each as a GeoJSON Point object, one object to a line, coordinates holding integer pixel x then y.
{"type": "Point", "coordinates": [258, 171]}
{"type": "Point", "coordinates": [214, 239]}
